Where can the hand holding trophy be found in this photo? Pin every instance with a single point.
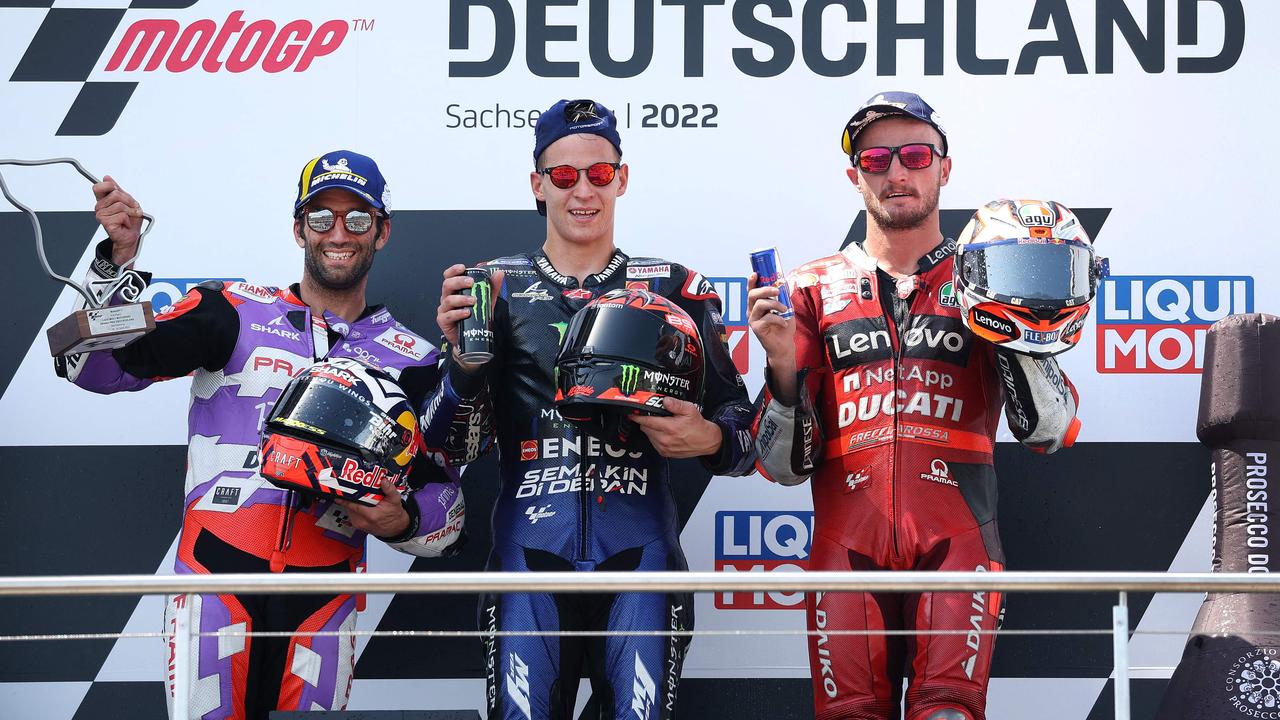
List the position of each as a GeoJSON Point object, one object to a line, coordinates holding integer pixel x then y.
{"type": "Point", "coordinates": [111, 315]}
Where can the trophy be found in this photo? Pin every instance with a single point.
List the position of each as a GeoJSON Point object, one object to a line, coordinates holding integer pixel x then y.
{"type": "Point", "coordinates": [99, 325]}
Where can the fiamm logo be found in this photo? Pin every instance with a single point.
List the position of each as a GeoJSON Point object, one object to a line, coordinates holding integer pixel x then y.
{"type": "Point", "coordinates": [762, 541]}
{"type": "Point", "coordinates": [1154, 324]}
{"type": "Point", "coordinates": [71, 42]}
{"type": "Point", "coordinates": [733, 294]}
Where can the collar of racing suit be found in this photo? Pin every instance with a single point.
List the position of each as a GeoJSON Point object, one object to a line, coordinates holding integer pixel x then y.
{"type": "Point", "coordinates": [943, 250]}
{"type": "Point", "coordinates": [294, 295]}
{"type": "Point", "coordinates": [543, 263]}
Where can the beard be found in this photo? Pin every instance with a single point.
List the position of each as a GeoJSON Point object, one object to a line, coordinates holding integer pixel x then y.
{"type": "Point", "coordinates": [902, 218]}
{"type": "Point", "coordinates": [330, 279]}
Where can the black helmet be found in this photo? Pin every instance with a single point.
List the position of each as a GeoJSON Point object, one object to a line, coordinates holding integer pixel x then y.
{"type": "Point", "coordinates": [622, 354]}
{"type": "Point", "coordinates": [337, 430]}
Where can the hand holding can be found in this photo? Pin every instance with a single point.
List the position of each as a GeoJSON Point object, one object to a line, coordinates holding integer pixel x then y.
{"type": "Point", "coordinates": [767, 266]}
{"type": "Point", "coordinates": [475, 332]}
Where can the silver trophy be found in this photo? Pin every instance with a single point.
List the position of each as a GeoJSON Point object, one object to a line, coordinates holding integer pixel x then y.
{"type": "Point", "coordinates": [99, 324]}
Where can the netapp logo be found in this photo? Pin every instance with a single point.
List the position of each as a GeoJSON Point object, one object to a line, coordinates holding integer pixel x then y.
{"type": "Point", "coordinates": [71, 42]}
{"type": "Point", "coordinates": [1212, 46]}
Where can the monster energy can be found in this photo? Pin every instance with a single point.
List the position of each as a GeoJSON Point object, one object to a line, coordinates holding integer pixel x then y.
{"type": "Point", "coordinates": [475, 332]}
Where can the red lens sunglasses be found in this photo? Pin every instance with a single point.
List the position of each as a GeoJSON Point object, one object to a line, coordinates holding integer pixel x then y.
{"type": "Point", "coordinates": [916, 156]}
{"type": "Point", "coordinates": [566, 176]}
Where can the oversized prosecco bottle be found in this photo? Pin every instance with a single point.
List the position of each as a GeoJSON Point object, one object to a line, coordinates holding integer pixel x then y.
{"type": "Point", "coordinates": [1230, 667]}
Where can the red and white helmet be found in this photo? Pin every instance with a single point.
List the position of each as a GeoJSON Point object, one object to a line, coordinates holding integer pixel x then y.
{"type": "Point", "coordinates": [1025, 274]}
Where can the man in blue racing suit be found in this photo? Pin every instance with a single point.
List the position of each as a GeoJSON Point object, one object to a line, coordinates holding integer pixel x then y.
{"type": "Point", "coordinates": [570, 501]}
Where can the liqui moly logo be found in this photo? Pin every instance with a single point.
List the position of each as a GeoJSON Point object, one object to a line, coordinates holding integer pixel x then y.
{"type": "Point", "coordinates": [1157, 324]}
{"type": "Point", "coordinates": [762, 541]}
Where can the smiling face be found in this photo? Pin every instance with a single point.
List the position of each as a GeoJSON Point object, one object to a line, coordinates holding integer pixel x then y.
{"type": "Point", "coordinates": [901, 199]}
{"type": "Point", "coordinates": [339, 259]}
{"type": "Point", "coordinates": [582, 214]}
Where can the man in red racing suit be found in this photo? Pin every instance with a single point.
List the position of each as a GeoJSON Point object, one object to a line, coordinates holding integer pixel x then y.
{"type": "Point", "coordinates": [880, 393]}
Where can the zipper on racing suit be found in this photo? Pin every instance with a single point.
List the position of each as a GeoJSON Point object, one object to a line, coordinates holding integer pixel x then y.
{"type": "Point", "coordinates": [897, 310]}
{"type": "Point", "coordinates": [320, 347]}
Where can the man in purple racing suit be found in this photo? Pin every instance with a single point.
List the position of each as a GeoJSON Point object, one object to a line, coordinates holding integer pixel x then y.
{"type": "Point", "coordinates": [242, 344]}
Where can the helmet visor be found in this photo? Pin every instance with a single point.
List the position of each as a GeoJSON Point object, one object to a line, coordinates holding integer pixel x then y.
{"type": "Point", "coordinates": [328, 409]}
{"type": "Point", "coordinates": [1030, 271]}
{"type": "Point", "coordinates": [637, 336]}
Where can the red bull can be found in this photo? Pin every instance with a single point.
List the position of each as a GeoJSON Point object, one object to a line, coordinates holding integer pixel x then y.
{"type": "Point", "coordinates": [475, 332]}
{"type": "Point", "coordinates": [766, 265]}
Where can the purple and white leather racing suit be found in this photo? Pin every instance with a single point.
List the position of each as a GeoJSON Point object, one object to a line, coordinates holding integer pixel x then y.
{"type": "Point", "coordinates": [242, 344]}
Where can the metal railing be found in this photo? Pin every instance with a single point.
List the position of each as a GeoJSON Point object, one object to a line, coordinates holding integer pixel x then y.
{"type": "Point", "coordinates": [1121, 583]}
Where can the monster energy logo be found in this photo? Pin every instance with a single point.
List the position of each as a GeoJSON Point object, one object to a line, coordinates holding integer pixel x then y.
{"type": "Point", "coordinates": [629, 380]}
{"type": "Point", "coordinates": [560, 328]}
{"type": "Point", "coordinates": [481, 291]}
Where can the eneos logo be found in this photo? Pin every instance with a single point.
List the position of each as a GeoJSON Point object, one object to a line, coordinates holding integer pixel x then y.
{"type": "Point", "coordinates": [1156, 324]}
{"type": "Point", "coordinates": [762, 541]}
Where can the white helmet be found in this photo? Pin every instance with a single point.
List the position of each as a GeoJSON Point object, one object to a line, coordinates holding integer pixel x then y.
{"type": "Point", "coordinates": [1025, 274]}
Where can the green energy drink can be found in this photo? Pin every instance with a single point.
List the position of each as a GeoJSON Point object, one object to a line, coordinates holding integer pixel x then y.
{"type": "Point", "coordinates": [475, 332]}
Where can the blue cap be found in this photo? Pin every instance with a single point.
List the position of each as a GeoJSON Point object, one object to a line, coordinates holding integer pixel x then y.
{"type": "Point", "coordinates": [342, 170]}
{"type": "Point", "coordinates": [890, 104]}
{"type": "Point", "coordinates": [570, 117]}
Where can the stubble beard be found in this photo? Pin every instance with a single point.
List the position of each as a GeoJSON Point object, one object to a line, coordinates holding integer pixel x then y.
{"type": "Point", "coordinates": [336, 280]}
{"type": "Point", "coordinates": [904, 218]}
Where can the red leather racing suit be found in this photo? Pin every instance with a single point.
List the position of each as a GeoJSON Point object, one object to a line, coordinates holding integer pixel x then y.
{"type": "Point", "coordinates": [896, 422]}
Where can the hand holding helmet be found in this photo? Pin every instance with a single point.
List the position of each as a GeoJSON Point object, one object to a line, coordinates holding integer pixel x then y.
{"type": "Point", "coordinates": [339, 431]}
{"type": "Point", "coordinates": [626, 353]}
{"type": "Point", "coordinates": [1025, 275]}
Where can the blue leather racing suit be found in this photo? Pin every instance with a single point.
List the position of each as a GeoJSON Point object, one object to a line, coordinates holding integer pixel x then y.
{"type": "Point", "coordinates": [569, 501]}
